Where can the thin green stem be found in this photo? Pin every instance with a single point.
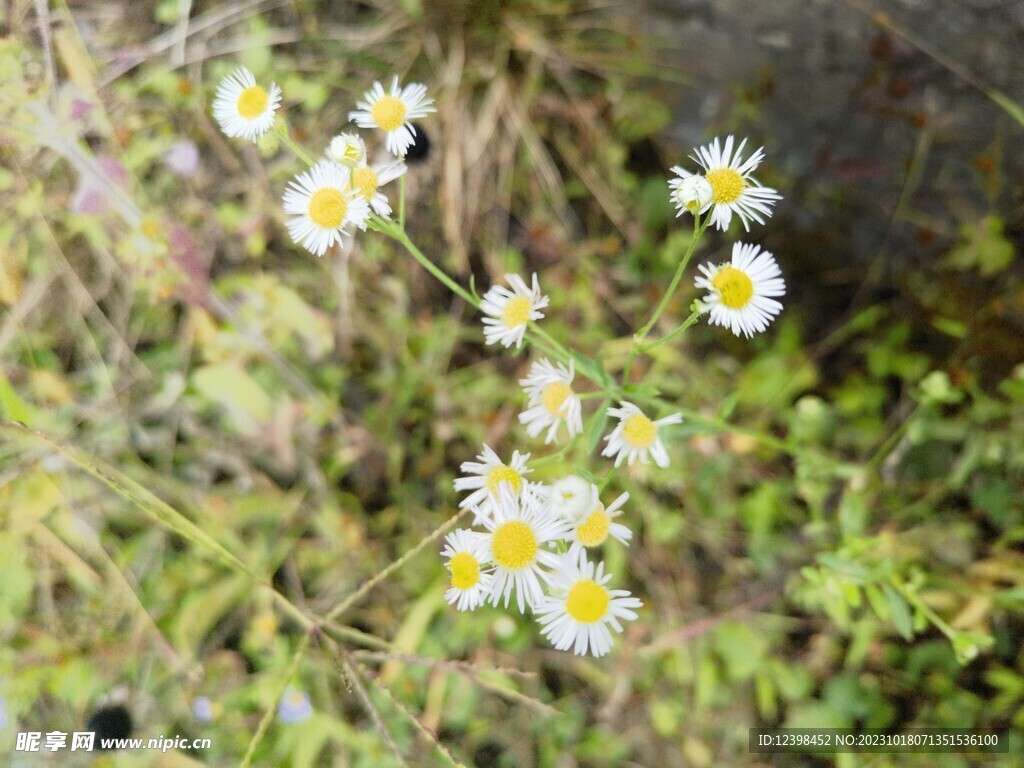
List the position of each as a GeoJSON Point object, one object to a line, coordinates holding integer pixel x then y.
{"type": "Point", "coordinates": [289, 142]}
{"type": "Point", "coordinates": [545, 348]}
{"type": "Point", "coordinates": [268, 715]}
{"type": "Point", "coordinates": [698, 230]}
{"type": "Point", "coordinates": [395, 232]}
{"type": "Point", "coordinates": [606, 481]}
{"type": "Point", "coordinates": [693, 318]}
{"type": "Point", "coordinates": [890, 443]}
{"type": "Point", "coordinates": [556, 455]}
{"type": "Point", "coordinates": [556, 349]}
{"type": "Point", "coordinates": [915, 600]}
{"type": "Point", "coordinates": [356, 596]}
{"type": "Point", "coordinates": [401, 202]}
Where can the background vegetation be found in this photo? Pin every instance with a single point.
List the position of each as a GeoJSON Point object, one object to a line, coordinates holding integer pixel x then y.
{"type": "Point", "coordinates": [226, 436]}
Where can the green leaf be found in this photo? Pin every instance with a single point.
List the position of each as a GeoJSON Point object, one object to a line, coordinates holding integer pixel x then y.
{"type": "Point", "coordinates": [600, 420]}
{"type": "Point", "coordinates": [900, 612]}
{"type": "Point", "coordinates": [843, 566]}
{"type": "Point", "coordinates": [589, 368]}
{"type": "Point", "coordinates": [983, 246]}
{"type": "Point", "coordinates": [1012, 108]}
{"type": "Point", "coordinates": [967, 645]}
{"type": "Point", "coordinates": [11, 404]}
{"type": "Point", "coordinates": [137, 495]}
{"type": "Point", "coordinates": [247, 404]}
{"type": "Point", "coordinates": [878, 602]}
{"type": "Point", "coordinates": [936, 387]}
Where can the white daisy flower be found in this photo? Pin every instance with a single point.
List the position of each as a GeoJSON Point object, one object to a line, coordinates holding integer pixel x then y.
{"type": "Point", "coordinates": [367, 179]}
{"type": "Point", "coordinates": [517, 530]}
{"type": "Point", "coordinates": [570, 497]}
{"type": "Point", "coordinates": [244, 108]}
{"type": "Point", "coordinates": [486, 477]}
{"type": "Point", "coordinates": [636, 436]}
{"type": "Point", "coordinates": [552, 401]}
{"type": "Point", "coordinates": [581, 611]}
{"type": "Point", "coordinates": [733, 189]}
{"type": "Point", "coordinates": [347, 149]}
{"type": "Point", "coordinates": [509, 311]}
{"type": "Point", "coordinates": [740, 291]}
{"type": "Point", "coordinates": [392, 113]}
{"type": "Point", "coordinates": [592, 528]}
{"type": "Point", "coordinates": [692, 194]}
{"type": "Point", "coordinates": [467, 552]}
{"type": "Point", "coordinates": [323, 207]}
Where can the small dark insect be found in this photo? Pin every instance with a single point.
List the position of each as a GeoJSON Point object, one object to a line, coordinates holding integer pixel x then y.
{"type": "Point", "coordinates": [420, 147]}
{"type": "Point", "coordinates": [110, 722]}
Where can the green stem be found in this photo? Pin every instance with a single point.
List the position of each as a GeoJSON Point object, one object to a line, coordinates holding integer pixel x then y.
{"type": "Point", "coordinates": [556, 455]}
{"type": "Point", "coordinates": [401, 202]}
{"type": "Point", "coordinates": [541, 338]}
{"type": "Point", "coordinates": [544, 347]}
{"type": "Point", "coordinates": [370, 583]}
{"type": "Point", "coordinates": [890, 443]}
{"type": "Point", "coordinates": [915, 600]}
{"type": "Point", "coordinates": [294, 147]}
{"type": "Point", "coordinates": [557, 350]}
{"type": "Point", "coordinates": [693, 318]}
{"type": "Point", "coordinates": [607, 479]}
{"type": "Point", "coordinates": [268, 715]}
{"type": "Point", "coordinates": [395, 232]}
{"type": "Point", "coordinates": [698, 230]}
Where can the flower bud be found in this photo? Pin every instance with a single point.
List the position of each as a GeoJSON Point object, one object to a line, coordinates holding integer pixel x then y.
{"type": "Point", "coordinates": [693, 193]}
{"type": "Point", "coordinates": [268, 144]}
{"type": "Point", "coordinates": [347, 149]}
{"type": "Point", "coordinates": [572, 497]}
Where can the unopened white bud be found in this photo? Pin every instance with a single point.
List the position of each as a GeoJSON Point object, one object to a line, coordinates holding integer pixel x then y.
{"type": "Point", "coordinates": [572, 497]}
{"type": "Point", "coordinates": [693, 193]}
{"type": "Point", "coordinates": [347, 149]}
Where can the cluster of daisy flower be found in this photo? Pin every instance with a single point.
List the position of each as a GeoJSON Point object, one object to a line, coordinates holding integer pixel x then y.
{"type": "Point", "coordinates": [538, 540]}
{"type": "Point", "coordinates": [742, 293]}
{"type": "Point", "coordinates": [341, 190]}
{"type": "Point", "coordinates": [530, 539]}
{"type": "Point", "coordinates": [536, 536]}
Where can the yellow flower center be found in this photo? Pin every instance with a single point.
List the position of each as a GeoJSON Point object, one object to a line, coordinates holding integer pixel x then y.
{"type": "Point", "coordinates": [726, 185]}
{"type": "Point", "coordinates": [388, 113]}
{"type": "Point", "coordinates": [365, 181]}
{"type": "Point", "coordinates": [639, 431]}
{"type": "Point", "coordinates": [517, 311]}
{"type": "Point", "coordinates": [465, 570]}
{"type": "Point", "coordinates": [327, 208]}
{"type": "Point", "coordinates": [587, 601]}
{"type": "Point", "coordinates": [734, 287]}
{"type": "Point", "coordinates": [504, 474]}
{"type": "Point", "coordinates": [593, 531]}
{"type": "Point", "coordinates": [252, 102]}
{"type": "Point", "coordinates": [553, 396]}
{"type": "Point", "coordinates": [514, 545]}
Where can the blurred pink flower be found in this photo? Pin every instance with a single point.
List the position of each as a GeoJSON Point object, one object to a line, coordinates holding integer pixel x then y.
{"type": "Point", "coordinates": [80, 108]}
{"type": "Point", "coordinates": [183, 158]}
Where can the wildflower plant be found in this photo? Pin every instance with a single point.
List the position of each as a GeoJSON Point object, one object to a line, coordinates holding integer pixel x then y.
{"type": "Point", "coordinates": [534, 543]}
